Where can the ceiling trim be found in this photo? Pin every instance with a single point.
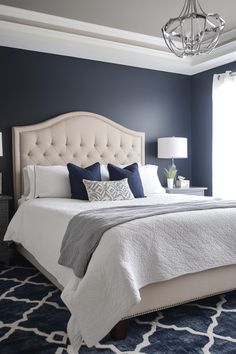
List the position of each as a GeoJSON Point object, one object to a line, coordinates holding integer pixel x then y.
{"type": "Point", "coordinates": [41, 32]}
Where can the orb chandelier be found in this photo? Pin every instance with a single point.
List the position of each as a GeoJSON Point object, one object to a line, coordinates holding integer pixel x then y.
{"type": "Point", "coordinates": [194, 32]}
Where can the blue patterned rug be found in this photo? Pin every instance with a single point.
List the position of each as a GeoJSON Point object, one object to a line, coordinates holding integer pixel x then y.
{"type": "Point", "coordinates": [33, 321]}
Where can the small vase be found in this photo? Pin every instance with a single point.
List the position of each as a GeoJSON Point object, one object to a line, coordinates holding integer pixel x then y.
{"type": "Point", "coordinates": [170, 182]}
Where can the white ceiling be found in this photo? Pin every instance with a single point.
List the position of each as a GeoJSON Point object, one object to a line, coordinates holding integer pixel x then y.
{"type": "Point", "coordinates": [141, 16]}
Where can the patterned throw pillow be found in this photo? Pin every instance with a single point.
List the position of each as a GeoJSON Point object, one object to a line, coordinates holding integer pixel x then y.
{"type": "Point", "coordinates": [108, 190]}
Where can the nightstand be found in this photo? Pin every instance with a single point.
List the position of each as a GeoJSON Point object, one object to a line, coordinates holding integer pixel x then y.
{"type": "Point", "coordinates": [190, 191]}
{"type": "Point", "coordinates": [6, 252]}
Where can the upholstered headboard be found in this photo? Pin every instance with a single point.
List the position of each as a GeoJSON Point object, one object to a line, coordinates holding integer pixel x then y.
{"type": "Point", "coordinates": [79, 137]}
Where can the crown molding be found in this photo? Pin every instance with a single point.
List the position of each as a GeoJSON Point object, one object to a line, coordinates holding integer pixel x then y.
{"type": "Point", "coordinates": [45, 33]}
{"type": "Point", "coordinates": [222, 55]}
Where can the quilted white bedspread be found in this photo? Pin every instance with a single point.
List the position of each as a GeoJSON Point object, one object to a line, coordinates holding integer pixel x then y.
{"type": "Point", "coordinates": [128, 257]}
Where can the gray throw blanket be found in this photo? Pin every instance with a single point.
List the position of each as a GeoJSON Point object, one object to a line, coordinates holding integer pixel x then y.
{"type": "Point", "coordinates": [86, 229]}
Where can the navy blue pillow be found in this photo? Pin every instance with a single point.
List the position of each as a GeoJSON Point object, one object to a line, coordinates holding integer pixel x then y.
{"type": "Point", "coordinates": [77, 174]}
{"type": "Point", "coordinates": [131, 172]}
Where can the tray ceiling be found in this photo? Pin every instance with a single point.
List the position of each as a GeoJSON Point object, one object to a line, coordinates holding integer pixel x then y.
{"type": "Point", "coordinates": [125, 32]}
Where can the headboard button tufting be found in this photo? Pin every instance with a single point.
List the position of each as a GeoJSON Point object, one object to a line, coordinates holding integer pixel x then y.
{"type": "Point", "coordinates": [86, 133]}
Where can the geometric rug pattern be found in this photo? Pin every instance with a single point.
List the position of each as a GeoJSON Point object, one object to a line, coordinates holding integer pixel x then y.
{"type": "Point", "coordinates": [33, 321]}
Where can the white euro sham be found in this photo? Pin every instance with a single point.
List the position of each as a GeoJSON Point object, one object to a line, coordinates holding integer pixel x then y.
{"type": "Point", "coordinates": [46, 182]}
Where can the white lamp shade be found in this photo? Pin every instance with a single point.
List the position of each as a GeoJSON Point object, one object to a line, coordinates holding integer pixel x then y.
{"type": "Point", "coordinates": [1, 152]}
{"type": "Point", "coordinates": [176, 148]}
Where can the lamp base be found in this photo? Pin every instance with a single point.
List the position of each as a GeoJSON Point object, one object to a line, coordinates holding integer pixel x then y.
{"type": "Point", "coordinates": [173, 164]}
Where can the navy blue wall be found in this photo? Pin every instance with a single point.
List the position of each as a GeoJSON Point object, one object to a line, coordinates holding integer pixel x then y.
{"type": "Point", "coordinates": [36, 86]}
{"type": "Point", "coordinates": [202, 125]}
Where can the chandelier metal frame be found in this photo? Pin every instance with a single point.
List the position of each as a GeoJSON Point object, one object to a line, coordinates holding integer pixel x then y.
{"type": "Point", "coordinates": [194, 31]}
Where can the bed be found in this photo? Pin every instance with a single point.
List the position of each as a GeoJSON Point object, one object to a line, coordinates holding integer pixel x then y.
{"type": "Point", "coordinates": [84, 138]}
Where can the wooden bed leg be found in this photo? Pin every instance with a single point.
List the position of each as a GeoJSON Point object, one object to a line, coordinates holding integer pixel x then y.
{"type": "Point", "coordinates": [120, 330]}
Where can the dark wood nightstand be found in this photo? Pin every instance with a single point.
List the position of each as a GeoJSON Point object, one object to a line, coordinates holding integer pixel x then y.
{"type": "Point", "coordinates": [6, 252]}
{"type": "Point", "coordinates": [189, 191]}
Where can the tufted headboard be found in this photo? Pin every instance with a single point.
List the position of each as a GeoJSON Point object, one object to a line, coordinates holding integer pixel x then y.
{"type": "Point", "coordinates": [79, 137]}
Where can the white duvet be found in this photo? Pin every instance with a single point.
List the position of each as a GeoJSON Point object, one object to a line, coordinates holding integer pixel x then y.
{"type": "Point", "coordinates": [126, 259]}
{"type": "Point", "coordinates": [39, 225]}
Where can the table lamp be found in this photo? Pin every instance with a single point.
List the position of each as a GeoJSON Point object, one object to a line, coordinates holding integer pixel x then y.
{"type": "Point", "coordinates": [172, 148]}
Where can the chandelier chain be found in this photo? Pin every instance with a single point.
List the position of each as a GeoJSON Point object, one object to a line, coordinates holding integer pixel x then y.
{"type": "Point", "coordinates": [200, 7]}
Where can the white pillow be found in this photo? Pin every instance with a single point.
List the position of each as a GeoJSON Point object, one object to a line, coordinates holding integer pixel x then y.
{"type": "Point", "coordinates": [104, 173]}
{"type": "Point", "coordinates": [52, 182]}
{"type": "Point", "coordinates": [108, 190]}
{"type": "Point", "coordinates": [46, 182]}
{"type": "Point", "coordinates": [150, 180]}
